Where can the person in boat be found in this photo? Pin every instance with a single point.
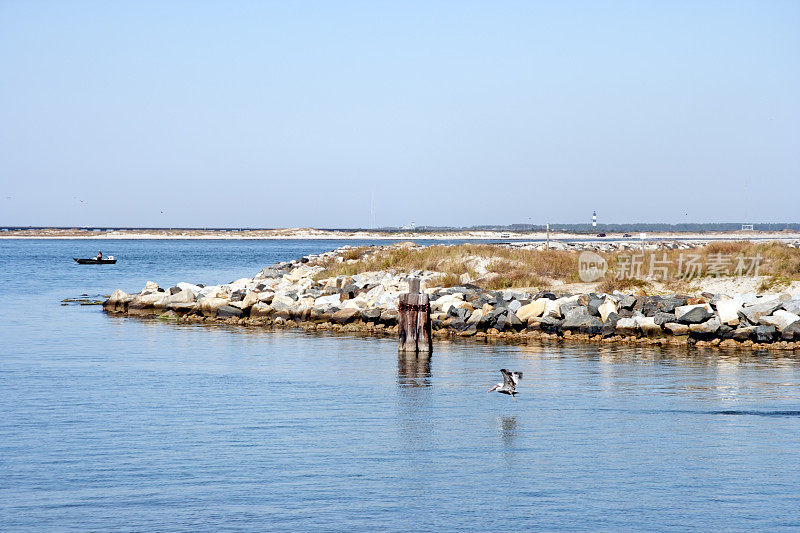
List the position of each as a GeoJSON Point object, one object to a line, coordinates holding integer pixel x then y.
{"type": "Point", "coordinates": [99, 255]}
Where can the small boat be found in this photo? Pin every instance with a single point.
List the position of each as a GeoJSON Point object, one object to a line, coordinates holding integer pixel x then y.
{"type": "Point", "coordinates": [93, 261]}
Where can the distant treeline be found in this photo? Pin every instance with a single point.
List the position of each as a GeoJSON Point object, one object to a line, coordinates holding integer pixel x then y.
{"type": "Point", "coordinates": [616, 228]}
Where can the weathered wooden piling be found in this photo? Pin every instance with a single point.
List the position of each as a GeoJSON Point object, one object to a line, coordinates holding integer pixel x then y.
{"type": "Point", "coordinates": [414, 320]}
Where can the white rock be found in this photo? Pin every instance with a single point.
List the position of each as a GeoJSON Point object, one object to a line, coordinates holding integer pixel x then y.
{"type": "Point", "coordinates": [626, 326]}
{"type": "Point", "coordinates": [328, 301]}
{"type": "Point", "coordinates": [728, 310]}
{"type": "Point", "coordinates": [606, 308]}
{"type": "Point", "coordinates": [532, 310]}
{"type": "Point", "coordinates": [150, 287]}
{"type": "Point", "coordinates": [780, 319]}
{"type": "Point", "coordinates": [475, 317]}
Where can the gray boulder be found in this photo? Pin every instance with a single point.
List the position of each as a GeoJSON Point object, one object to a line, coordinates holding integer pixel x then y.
{"type": "Point", "coordinates": [693, 314]}
{"type": "Point", "coordinates": [706, 328]}
{"type": "Point", "coordinates": [669, 303]}
{"type": "Point", "coordinates": [227, 311]}
{"type": "Point", "coordinates": [765, 333]}
{"type": "Point", "coordinates": [662, 318]}
{"type": "Point", "coordinates": [754, 312]}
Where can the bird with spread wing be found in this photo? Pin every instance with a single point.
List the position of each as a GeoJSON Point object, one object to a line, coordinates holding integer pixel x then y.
{"type": "Point", "coordinates": [509, 384]}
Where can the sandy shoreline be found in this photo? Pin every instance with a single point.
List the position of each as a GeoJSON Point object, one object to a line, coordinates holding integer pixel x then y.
{"type": "Point", "coordinates": [311, 234]}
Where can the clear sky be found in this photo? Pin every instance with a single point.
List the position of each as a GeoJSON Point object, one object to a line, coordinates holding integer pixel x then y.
{"type": "Point", "coordinates": [274, 114]}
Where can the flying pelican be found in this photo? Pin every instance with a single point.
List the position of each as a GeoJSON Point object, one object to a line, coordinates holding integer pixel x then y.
{"type": "Point", "coordinates": [509, 384]}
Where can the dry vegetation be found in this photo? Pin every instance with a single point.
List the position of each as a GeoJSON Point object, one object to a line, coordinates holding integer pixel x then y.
{"type": "Point", "coordinates": [497, 267]}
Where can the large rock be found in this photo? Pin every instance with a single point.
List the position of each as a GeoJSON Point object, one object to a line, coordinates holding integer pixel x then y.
{"type": "Point", "coordinates": [753, 313]}
{"type": "Point", "coordinates": [332, 300]}
{"type": "Point", "coordinates": [372, 314]}
{"type": "Point", "coordinates": [606, 308]}
{"type": "Point", "coordinates": [791, 332]}
{"type": "Point", "coordinates": [648, 326]}
{"type": "Point", "coordinates": [547, 324]}
{"type": "Point", "coordinates": [475, 317]}
{"type": "Point", "coordinates": [210, 305]}
{"type": "Point", "coordinates": [509, 320]}
{"type": "Point", "coordinates": [728, 310]}
{"type": "Point", "coordinates": [780, 319]}
{"type": "Point", "coordinates": [533, 309]}
{"type": "Point", "coordinates": [282, 302]}
{"type": "Point", "coordinates": [677, 329]}
{"type": "Point", "coordinates": [627, 326]}
{"type": "Point", "coordinates": [191, 287]}
{"type": "Point", "coordinates": [593, 305]}
{"type": "Point", "coordinates": [708, 327]}
{"type": "Point", "coordinates": [693, 314]}
{"type": "Point", "coordinates": [668, 304]}
{"type": "Point", "coordinates": [181, 297]}
{"type": "Point", "coordinates": [580, 320]}
{"type": "Point", "coordinates": [118, 301]}
{"type": "Point", "coordinates": [765, 333]}
{"type": "Point", "coordinates": [150, 287]}
{"type": "Point", "coordinates": [662, 318]}
{"type": "Point", "coordinates": [260, 309]}
{"type": "Point", "coordinates": [344, 316]}
{"type": "Point", "coordinates": [610, 325]}
{"type": "Point", "coordinates": [227, 311]}
{"type": "Point", "coordinates": [792, 305]}
{"type": "Point", "coordinates": [743, 333]}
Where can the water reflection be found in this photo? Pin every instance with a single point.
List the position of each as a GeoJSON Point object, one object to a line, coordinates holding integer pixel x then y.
{"type": "Point", "coordinates": [414, 370]}
{"type": "Point", "coordinates": [508, 430]}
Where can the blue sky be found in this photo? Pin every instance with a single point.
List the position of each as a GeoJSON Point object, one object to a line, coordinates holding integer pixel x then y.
{"type": "Point", "coordinates": [273, 114]}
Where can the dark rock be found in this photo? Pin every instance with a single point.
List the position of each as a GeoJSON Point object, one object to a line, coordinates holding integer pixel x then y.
{"type": "Point", "coordinates": [513, 321]}
{"type": "Point", "coordinates": [650, 306]}
{"type": "Point", "coordinates": [725, 331]}
{"type": "Point", "coordinates": [669, 303]}
{"type": "Point", "coordinates": [765, 333]}
{"type": "Point", "coordinates": [661, 318]}
{"type": "Point", "coordinates": [581, 321]}
{"type": "Point", "coordinates": [743, 333]}
{"type": "Point", "coordinates": [594, 304]}
{"type": "Point", "coordinates": [349, 291]}
{"type": "Point", "coordinates": [610, 325]}
{"type": "Point", "coordinates": [174, 290]}
{"type": "Point", "coordinates": [625, 313]}
{"type": "Point", "coordinates": [549, 324]}
{"type": "Point", "coordinates": [565, 308]}
{"type": "Point", "coordinates": [707, 295]}
{"type": "Point", "coordinates": [304, 259]}
{"type": "Point", "coordinates": [696, 316]}
{"type": "Point", "coordinates": [237, 296]}
{"type": "Point", "coordinates": [626, 302]}
{"type": "Point", "coordinates": [226, 311]}
{"type": "Point", "coordinates": [791, 332]}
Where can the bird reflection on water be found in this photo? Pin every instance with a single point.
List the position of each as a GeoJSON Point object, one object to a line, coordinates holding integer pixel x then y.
{"type": "Point", "coordinates": [508, 430]}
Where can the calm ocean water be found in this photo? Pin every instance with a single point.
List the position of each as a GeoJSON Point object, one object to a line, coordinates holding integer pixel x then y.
{"type": "Point", "coordinates": [117, 424]}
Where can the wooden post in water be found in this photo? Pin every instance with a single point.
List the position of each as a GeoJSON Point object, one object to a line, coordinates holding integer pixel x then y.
{"type": "Point", "coordinates": [414, 320]}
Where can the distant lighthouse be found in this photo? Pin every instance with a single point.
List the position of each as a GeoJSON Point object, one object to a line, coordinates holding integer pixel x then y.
{"type": "Point", "coordinates": [594, 219]}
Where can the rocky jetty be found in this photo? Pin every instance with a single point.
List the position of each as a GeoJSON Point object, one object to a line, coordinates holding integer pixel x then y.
{"type": "Point", "coordinates": [289, 294]}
